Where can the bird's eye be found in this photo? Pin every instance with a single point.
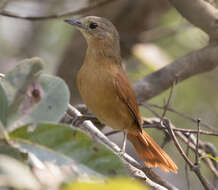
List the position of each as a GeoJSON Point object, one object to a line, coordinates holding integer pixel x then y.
{"type": "Point", "coordinates": [93, 25]}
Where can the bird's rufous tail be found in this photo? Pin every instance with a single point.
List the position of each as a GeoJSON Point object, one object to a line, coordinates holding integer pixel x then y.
{"type": "Point", "coordinates": [150, 152]}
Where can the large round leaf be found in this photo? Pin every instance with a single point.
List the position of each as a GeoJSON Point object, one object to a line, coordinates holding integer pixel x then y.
{"type": "Point", "coordinates": [16, 84]}
{"type": "Point", "coordinates": [55, 98]}
{"type": "Point", "coordinates": [32, 97]}
{"type": "Point", "coordinates": [74, 144]}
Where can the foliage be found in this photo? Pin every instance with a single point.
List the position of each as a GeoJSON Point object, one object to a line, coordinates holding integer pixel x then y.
{"type": "Point", "coordinates": [32, 105]}
{"type": "Point", "coordinates": [210, 156]}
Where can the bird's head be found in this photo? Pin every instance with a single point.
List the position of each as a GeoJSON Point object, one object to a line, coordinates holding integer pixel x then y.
{"type": "Point", "coordinates": [95, 28]}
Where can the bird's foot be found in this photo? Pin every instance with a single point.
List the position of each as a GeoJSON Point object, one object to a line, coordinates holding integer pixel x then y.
{"type": "Point", "coordinates": [78, 120]}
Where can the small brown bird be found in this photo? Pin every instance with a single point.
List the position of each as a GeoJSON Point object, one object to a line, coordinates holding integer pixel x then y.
{"type": "Point", "coordinates": [107, 92]}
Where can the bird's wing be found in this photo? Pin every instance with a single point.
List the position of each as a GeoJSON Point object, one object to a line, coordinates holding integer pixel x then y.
{"type": "Point", "coordinates": [127, 95]}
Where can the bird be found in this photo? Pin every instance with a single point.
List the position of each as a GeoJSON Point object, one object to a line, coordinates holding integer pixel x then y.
{"type": "Point", "coordinates": [107, 92]}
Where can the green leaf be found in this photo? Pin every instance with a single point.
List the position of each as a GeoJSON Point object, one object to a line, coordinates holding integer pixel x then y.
{"type": "Point", "coordinates": [3, 106]}
{"type": "Point", "coordinates": [16, 83]}
{"type": "Point", "coordinates": [74, 144]}
{"type": "Point", "coordinates": [32, 97]}
{"type": "Point", "coordinates": [210, 156]}
{"type": "Point", "coordinates": [45, 154]}
{"type": "Point", "coordinates": [36, 155]}
{"type": "Point", "coordinates": [54, 101]}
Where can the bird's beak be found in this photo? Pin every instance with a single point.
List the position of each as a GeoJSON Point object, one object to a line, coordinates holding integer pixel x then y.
{"type": "Point", "coordinates": [76, 23]}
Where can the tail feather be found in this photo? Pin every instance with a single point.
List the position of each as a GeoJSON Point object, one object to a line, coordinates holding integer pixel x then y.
{"type": "Point", "coordinates": [151, 153]}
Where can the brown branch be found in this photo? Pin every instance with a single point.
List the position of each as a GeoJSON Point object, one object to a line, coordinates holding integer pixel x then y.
{"type": "Point", "coordinates": [176, 142]}
{"type": "Point", "coordinates": [56, 15]}
{"type": "Point", "coordinates": [88, 128]}
{"type": "Point", "coordinates": [154, 123]}
{"type": "Point", "coordinates": [157, 126]}
{"type": "Point", "coordinates": [203, 180]}
{"type": "Point", "coordinates": [206, 17]}
{"type": "Point", "coordinates": [186, 139]}
{"type": "Point", "coordinates": [203, 60]}
{"type": "Point", "coordinates": [185, 116]}
{"type": "Point", "coordinates": [195, 167]}
{"type": "Point", "coordinates": [183, 134]}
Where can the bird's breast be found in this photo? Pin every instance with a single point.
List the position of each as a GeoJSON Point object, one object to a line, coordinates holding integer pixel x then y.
{"type": "Point", "coordinates": [96, 87]}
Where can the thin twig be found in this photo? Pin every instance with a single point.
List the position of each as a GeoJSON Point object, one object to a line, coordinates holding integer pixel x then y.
{"type": "Point", "coordinates": [167, 105]}
{"type": "Point", "coordinates": [197, 145]}
{"type": "Point", "coordinates": [152, 111]}
{"type": "Point", "coordinates": [181, 115]}
{"type": "Point", "coordinates": [166, 123]}
{"type": "Point", "coordinates": [57, 15]}
{"type": "Point", "coordinates": [186, 166]}
{"type": "Point", "coordinates": [156, 125]}
{"type": "Point", "coordinates": [202, 179]}
{"type": "Point", "coordinates": [185, 138]}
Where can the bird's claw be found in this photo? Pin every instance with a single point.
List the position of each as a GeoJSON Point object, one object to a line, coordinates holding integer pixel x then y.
{"type": "Point", "coordinates": [78, 120]}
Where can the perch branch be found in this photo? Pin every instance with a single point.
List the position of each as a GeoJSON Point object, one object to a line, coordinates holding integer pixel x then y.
{"type": "Point", "coordinates": [88, 128]}
{"type": "Point", "coordinates": [183, 134]}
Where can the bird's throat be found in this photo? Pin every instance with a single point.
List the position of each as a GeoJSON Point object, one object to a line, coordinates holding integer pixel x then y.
{"type": "Point", "coordinates": [106, 49]}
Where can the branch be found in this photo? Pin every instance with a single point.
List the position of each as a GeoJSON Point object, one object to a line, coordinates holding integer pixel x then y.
{"type": "Point", "coordinates": [197, 62]}
{"type": "Point", "coordinates": [185, 116]}
{"type": "Point", "coordinates": [156, 125]}
{"type": "Point", "coordinates": [171, 129]}
{"type": "Point", "coordinates": [88, 128]}
{"type": "Point", "coordinates": [206, 17]}
{"type": "Point", "coordinates": [203, 60]}
{"type": "Point", "coordinates": [56, 15]}
{"type": "Point", "coordinates": [195, 142]}
{"type": "Point", "coordinates": [186, 139]}
{"type": "Point", "coordinates": [184, 134]}
{"type": "Point", "coordinates": [197, 145]}
{"type": "Point", "coordinates": [153, 122]}
{"type": "Point", "coordinates": [196, 169]}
